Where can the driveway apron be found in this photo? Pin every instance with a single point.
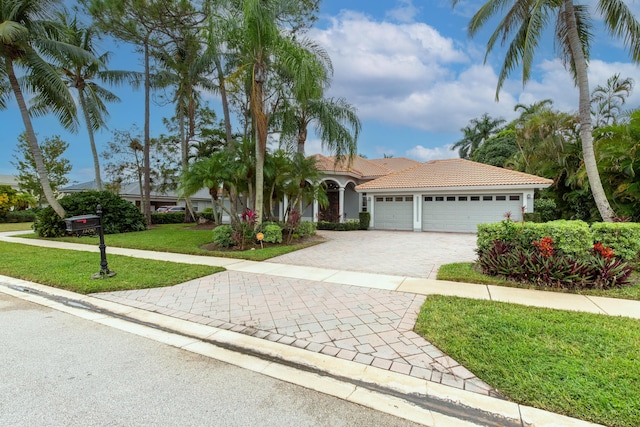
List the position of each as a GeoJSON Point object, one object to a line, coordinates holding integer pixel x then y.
{"type": "Point", "coordinates": [369, 326]}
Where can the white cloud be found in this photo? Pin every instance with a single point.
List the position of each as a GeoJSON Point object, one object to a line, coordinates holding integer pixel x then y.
{"type": "Point", "coordinates": [404, 12]}
{"type": "Point", "coordinates": [424, 154]}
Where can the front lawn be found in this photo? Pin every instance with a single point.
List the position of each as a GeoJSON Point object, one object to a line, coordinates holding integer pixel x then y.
{"type": "Point", "coordinates": [465, 272]}
{"type": "Point", "coordinates": [15, 226]}
{"type": "Point", "coordinates": [184, 239]}
{"type": "Point", "coordinates": [579, 364]}
{"type": "Point", "coordinates": [72, 270]}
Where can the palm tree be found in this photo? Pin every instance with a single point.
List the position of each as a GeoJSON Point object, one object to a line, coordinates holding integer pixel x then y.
{"type": "Point", "coordinates": [83, 75]}
{"type": "Point", "coordinates": [609, 100]}
{"type": "Point", "coordinates": [476, 133]}
{"type": "Point", "coordinates": [28, 35]}
{"type": "Point", "coordinates": [265, 47]}
{"type": "Point", "coordinates": [336, 121]}
{"type": "Point", "coordinates": [523, 22]}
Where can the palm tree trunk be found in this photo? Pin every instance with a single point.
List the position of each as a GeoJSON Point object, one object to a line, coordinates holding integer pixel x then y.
{"type": "Point", "coordinates": [146, 205]}
{"type": "Point", "coordinates": [33, 143]}
{"type": "Point", "coordinates": [586, 130]}
{"type": "Point", "coordinates": [225, 102]}
{"type": "Point", "coordinates": [92, 141]}
{"type": "Point", "coordinates": [261, 142]}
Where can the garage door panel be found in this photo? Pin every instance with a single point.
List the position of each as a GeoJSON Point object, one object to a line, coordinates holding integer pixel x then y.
{"type": "Point", "coordinates": [463, 213]}
{"type": "Point", "coordinates": [393, 213]}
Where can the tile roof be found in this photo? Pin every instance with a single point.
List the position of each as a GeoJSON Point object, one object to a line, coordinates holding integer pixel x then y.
{"type": "Point", "coordinates": [359, 166]}
{"type": "Point", "coordinates": [453, 173]}
{"type": "Point", "coordinates": [396, 164]}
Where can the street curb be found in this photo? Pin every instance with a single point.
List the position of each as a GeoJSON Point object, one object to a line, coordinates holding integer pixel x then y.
{"type": "Point", "coordinates": [410, 398]}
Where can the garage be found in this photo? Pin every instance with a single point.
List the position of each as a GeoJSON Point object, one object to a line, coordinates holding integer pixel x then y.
{"type": "Point", "coordinates": [393, 212]}
{"type": "Point", "coordinates": [464, 212]}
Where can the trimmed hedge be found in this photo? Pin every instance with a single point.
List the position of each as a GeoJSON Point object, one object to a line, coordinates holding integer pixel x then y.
{"type": "Point", "coordinates": [352, 224]}
{"type": "Point", "coordinates": [167, 218]}
{"type": "Point", "coordinates": [622, 237]}
{"type": "Point", "coordinates": [306, 228]}
{"type": "Point", "coordinates": [570, 237]}
{"type": "Point", "coordinates": [365, 220]}
{"type": "Point", "coordinates": [19, 216]}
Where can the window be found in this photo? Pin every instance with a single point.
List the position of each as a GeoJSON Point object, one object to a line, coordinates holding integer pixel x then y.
{"type": "Point", "coordinates": [475, 198]}
{"type": "Point", "coordinates": [514, 197]}
{"type": "Point", "coordinates": [462, 198]}
{"type": "Point", "coordinates": [408, 199]}
{"type": "Point", "coordinates": [439, 199]}
{"type": "Point", "coordinates": [379, 199]}
{"type": "Point", "coordinates": [364, 202]}
{"type": "Point", "coordinates": [399, 199]}
{"type": "Point", "coordinates": [451, 198]}
{"type": "Point", "coordinates": [501, 198]}
{"type": "Point", "coordinates": [487, 198]}
{"type": "Point", "coordinates": [428, 199]}
{"type": "Point", "coordinates": [388, 199]}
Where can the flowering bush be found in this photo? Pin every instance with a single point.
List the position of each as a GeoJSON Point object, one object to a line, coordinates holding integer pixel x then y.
{"type": "Point", "coordinates": [545, 266]}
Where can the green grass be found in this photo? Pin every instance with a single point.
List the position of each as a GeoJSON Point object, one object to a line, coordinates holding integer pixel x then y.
{"type": "Point", "coordinates": [180, 238]}
{"type": "Point", "coordinates": [72, 270]}
{"type": "Point", "coordinates": [578, 364]}
{"type": "Point", "coordinates": [15, 226]}
{"type": "Point", "coordinates": [464, 272]}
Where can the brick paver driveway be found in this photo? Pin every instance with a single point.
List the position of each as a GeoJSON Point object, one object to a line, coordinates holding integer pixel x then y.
{"type": "Point", "coordinates": [401, 253]}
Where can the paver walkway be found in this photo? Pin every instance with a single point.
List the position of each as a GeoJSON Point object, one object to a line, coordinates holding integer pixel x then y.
{"type": "Point", "coordinates": [370, 326]}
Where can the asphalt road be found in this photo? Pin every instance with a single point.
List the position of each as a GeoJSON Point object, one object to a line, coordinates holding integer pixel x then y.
{"type": "Point", "coordinates": [60, 370]}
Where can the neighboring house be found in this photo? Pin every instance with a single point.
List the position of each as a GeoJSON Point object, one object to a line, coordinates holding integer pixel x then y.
{"type": "Point", "coordinates": [448, 195]}
{"type": "Point", "coordinates": [9, 180]}
{"type": "Point", "coordinates": [131, 192]}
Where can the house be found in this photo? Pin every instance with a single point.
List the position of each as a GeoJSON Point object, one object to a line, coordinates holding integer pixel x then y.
{"type": "Point", "coordinates": [439, 195]}
{"type": "Point", "coordinates": [131, 192]}
{"type": "Point", "coordinates": [449, 195]}
{"type": "Point", "coordinates": [9, 180]}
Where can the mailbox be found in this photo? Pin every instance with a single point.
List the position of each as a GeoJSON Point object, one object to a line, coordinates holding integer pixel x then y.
{"type": "Point", "coordinates": [82, 222]}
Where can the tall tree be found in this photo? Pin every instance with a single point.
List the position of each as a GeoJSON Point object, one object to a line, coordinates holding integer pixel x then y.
{"type": "Point", "coordinates": [607, 101]}
{"type": "Point", "coordinates": [56, 166]}
{"type": "Point", "coordinates": [476, 133]}
{"type": "Point", "coordinates": [83, 75]}
{"type": "Point", "coordinates": [265, 47]}
{"type": "Point", "coordinates": [28, 35]}
{"type": "Point", "coordinates": [522, 25]}
{"type": "Point", "coordinates": [147, 25]}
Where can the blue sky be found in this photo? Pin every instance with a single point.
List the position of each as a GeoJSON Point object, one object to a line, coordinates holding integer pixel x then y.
{"type": "Point", "coordinates": [406, 65]}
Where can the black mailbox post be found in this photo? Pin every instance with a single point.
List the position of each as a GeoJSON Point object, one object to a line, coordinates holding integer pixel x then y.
{"type": "Point", "coordinates": [92, 222]}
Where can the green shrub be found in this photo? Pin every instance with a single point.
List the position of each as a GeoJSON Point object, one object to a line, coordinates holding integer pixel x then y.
{"type": "Point", "coordinates": [167, 218]}
{"type": "Point", "coordinates": [547, 209]}
{"type": "Point", "coordinates": [570, 237]}
{"type": "Point", "coordinates": [545, 267]}
{"type": "Point", "coordinates": [532, 217]}
{"type": "Point", "coordinates": [350, 225]}
{"type": "Point", "coordinates": [365, 220]}
{"type": "Point", "coordinates": [118, 215]}
{"type": "Point", "coordinates": [223, 236]}
{"type": "Point", "coordinates": [622, 237]}
{"type": "Point", "coordinates": [327, 225]}
{"type": "Point", "coordinates": [20, 216]}
{"type": "Point", "coordinates": [207, 214]}
{"type": "Point", "coordinates": [272, 233]}
{"type": "Point", "coordinates": [306, 228]}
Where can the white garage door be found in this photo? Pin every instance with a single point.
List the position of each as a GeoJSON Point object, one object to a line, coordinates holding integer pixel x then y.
{"type": "Point", "coordinates": [393, 213]}
{"type": "Point", "coordinates": [465, 212]}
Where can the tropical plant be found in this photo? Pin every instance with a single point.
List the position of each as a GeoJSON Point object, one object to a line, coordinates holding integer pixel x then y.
{"type": "Point", "coordinates": [28, 38]}
{"type": "Point", "coordinates": [522, 26]}
{"type": "Point", "coordinates": [476, 133]}
{"type": "Point", "coordinates": [607, 101]}
{"type": "Point", "coordinates": [83, 75]}
{"type": "Point", "coordinates": [57, 167]}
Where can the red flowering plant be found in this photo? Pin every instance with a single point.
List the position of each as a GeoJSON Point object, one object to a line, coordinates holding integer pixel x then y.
{"type": "Point", "coordinates": [603, 251]}
{"type": "Point", "coordinates": [545, 246]}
